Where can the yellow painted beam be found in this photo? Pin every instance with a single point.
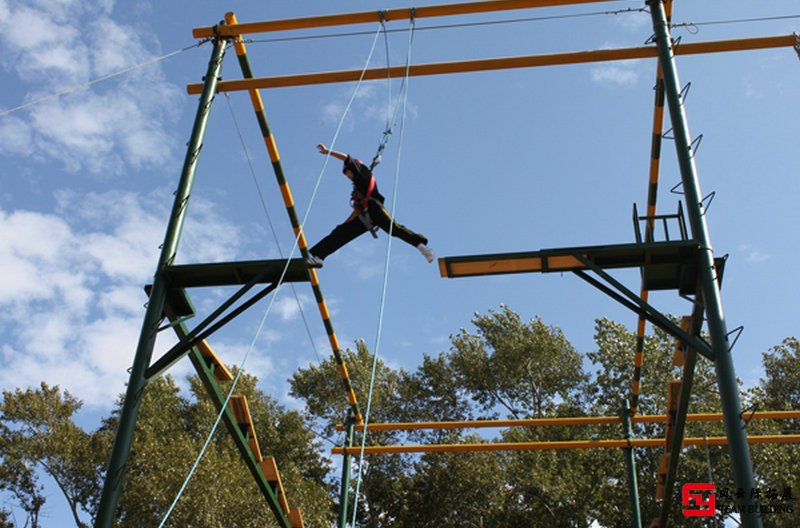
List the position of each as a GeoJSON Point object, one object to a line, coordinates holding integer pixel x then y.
{"type": "Point", "coordinates": [503, 63]}
{"type": "Point", "coordinates": [566, 421]}
{"type": "Point", "coordinates": [367, 17]}
{"type": "Point", "coordinates": [571, 444]}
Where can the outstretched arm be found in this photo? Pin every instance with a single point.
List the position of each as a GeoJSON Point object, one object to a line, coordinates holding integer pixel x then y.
{"type": "Point", "coordinates": [325, 150]}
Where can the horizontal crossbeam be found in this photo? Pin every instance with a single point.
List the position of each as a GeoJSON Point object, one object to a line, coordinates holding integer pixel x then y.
{"type": "Point", "coordinates": [503, 63]}
{"type": "Point", "coordinates": [565, 421]}
{"type": "Point", "coordinates": [542, 446]}
{"type": "Point", "coordinates": [367, 17]}
{"type": "Point", "coordinates": [236, 273]}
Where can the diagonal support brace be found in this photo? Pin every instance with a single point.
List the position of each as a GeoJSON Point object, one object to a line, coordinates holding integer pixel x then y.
{"type": "Point", "coordinates": [637, 305]}
{"type": "Point", "coordinates": [185, 345]}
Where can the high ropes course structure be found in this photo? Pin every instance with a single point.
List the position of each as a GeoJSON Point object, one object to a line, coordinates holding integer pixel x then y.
{"type": "Point", "coordinates": [686, 264]}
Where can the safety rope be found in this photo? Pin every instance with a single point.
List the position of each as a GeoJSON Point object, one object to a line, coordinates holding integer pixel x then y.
{"type": "Point", "coordinates": [385, 277]}
{"type": "Point", "coordinates": [391, 110]}
{"type": "Point", "coordinates": [260, 327]}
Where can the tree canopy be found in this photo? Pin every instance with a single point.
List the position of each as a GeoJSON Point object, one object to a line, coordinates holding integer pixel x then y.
{"type": "Point", "coordinates": [501, 367]}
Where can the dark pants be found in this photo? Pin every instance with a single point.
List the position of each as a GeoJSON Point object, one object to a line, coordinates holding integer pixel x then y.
{"type": "Point", "coordinates": [354, 227]}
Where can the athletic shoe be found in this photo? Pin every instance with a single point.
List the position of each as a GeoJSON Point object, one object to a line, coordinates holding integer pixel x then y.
{"type": "Point", "coordinates": [427, 253]}
{"type": "Point", "coordinates": [314, 261]}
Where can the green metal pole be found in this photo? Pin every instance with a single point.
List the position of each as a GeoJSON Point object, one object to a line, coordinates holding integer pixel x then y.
{"type": "Point", "coordinates": [343, 501]}
{"type": "Point", "coordinates": [717, 328]}
{"type": "Point", "coordinates": [630, 459]}
{"type": "Point", "coordinates": [155, 307]}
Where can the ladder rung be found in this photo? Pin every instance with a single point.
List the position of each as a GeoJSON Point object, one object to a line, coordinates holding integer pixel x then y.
{"type": "Point", "coordinates": [241, 411]}
{"type": "Point", "coordinates": [270, 469]}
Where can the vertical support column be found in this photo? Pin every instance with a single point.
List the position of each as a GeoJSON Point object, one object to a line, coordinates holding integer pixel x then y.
{"type": "Point", "coordinates": [630, 460]}
{"type": "Point", "coordinates": [345, 494]}
{"type": "Point", "coordinates": [717, 328]}
{"type": "Point", "coordinates": [155, 306]}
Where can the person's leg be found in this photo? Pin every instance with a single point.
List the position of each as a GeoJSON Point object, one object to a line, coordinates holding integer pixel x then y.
{"type": "Point", "coordinates": [380, 217]}
{"type": "Point", "coordinates": [341, 235]}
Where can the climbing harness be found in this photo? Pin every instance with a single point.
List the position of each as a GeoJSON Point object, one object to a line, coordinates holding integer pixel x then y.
{"type": "Point", "coordinates": [360, 204]}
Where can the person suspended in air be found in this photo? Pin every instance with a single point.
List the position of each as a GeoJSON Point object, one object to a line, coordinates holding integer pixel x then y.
{"type": "Point", "coordinates": [368, 213]}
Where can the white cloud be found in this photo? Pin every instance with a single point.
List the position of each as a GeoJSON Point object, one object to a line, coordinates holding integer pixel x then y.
{"type": "Point", "coordinates": [620, 74]}
{"type": "Point", "coordinates": [71, 294]}
{"type": "Point", "coordinates": [286, 307]}
{"type": "Point", "coordinates": [370, 104]}
{"type": "Point", "coordinates": [15, 137]}
{"type": "Point", "coordinates": [54, 46]}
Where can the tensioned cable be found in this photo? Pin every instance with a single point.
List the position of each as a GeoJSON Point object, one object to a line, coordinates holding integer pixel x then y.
{"type": "Point", "coordinates": [733, 21]}
{"type": "Point", "coordinates": [385, 281]}
{"type": "Point", "coordinates": [269, 220]}
{"type": "Point", "coordinates": [453, 26]}
{"type": "Point", "coordinates": [106, 77]}
{"type": "Point", "coordinates": [519, 20]}
{"type": "Point", "coordinates": [273, 297]}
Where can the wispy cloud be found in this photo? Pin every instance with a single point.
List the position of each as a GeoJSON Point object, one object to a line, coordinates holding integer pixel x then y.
{"type": "Point", "coordinates": [287, 307]}
{"type": "Point", "coordinates": [371, 103]}
{"type": "Point", "coordinates": [619, 74]}
{"type": "Point", "coordinates": [753, 255]}
{"type": "Point", "coordinates": [51, 46]}
{"type": "Point", "coordinates": [633, 21]}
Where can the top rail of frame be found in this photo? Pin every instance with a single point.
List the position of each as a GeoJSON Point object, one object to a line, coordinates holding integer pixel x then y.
{"type": "Point", "coordinates": [366, 17]}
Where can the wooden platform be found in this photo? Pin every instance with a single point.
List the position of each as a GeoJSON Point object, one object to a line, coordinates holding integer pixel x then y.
{"type": "Point", "coordinates": [233, 273]}
{"type": "Point", "coordinates": [664, 265]}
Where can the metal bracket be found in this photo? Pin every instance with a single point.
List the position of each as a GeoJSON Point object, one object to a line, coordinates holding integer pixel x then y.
{"type": "Point", "coordinates": [752, 410]}
{"type": "Point", "coordinates": [635, 303]}
{"type": "Point", "coordinates": [195, 336]}
{"type": "Point", "coordinates": [797, 44]}
{"type": "Point", "coordinates": [705, 203]}
{"type": "Point", "coordinates": [685, 92]}
{"type": "Point", "coordinates": [738, 331]}
{"type": "Point", "coordinates": [694, 146]}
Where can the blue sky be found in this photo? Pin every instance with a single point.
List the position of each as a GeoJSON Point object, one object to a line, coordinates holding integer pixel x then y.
{"type": "Point", "coordinates": [513, 160]}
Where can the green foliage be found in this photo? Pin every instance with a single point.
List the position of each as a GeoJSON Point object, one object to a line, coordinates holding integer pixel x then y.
{"type": "Point", "coordinates": [38, 435]}
{"type": "Point", "coordinates": [505, 367]}
{"type": "Point", "coordinates": [775, 464]}
{"type": "Point", "coordinates": [525, 368]}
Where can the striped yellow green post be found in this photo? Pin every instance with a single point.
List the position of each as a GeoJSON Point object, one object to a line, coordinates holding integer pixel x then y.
{"type": "Point", "coordinates": [286, 193]}
{"type": "Point", "coordinates": [652, 196]}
